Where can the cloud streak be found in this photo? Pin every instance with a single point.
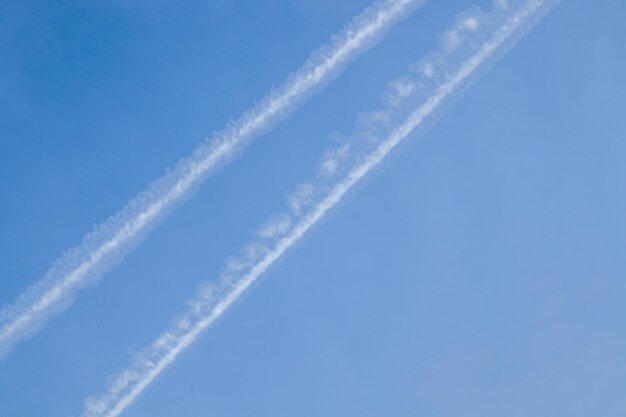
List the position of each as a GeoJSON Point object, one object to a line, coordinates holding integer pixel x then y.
{"type": "Point", "coordinates": [111, 240]}
{"type": "Point", "coordinates": [412, 100]}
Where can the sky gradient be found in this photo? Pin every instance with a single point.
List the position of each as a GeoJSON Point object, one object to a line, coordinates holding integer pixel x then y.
{"type": "Point", "coordinates": [479, 272]}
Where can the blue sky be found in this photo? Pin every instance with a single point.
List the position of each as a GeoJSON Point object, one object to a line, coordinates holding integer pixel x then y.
{"type": "Point", "coordinates": [479, 272]}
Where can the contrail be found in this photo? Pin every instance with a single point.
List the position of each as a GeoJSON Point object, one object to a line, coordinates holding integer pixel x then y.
{"type": "Point", "coordinates": [111, 240]}
{"type": "Point", "coordinates": [478, 38]}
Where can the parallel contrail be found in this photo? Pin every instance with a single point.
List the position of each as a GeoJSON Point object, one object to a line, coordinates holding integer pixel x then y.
{"type": "Point", "coordinates": [112, 239]}
{"type": "Point", "coordinates": [477, 37]}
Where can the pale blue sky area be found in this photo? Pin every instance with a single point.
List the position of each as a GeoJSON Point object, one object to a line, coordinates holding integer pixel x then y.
{"type": "Point", "coordinates": [480, 272]}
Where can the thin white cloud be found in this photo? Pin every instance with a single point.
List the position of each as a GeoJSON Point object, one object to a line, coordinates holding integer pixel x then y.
{"type": "Point", "coordinates": [399, 90]}
{"type": "Point", "coordinates": [276, 226]}
{"type": "Point", "coordinates": [215, 297]}
{"type": "Point", "coordinates": [332, 160]}
{"type": "Point", "coordinates": [111, 240]}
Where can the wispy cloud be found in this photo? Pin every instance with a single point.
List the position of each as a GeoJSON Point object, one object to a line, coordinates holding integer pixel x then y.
{"type": "Point", "coordinates": [481, 37]}
{"type": "Point", "coordinates": [112, 239]}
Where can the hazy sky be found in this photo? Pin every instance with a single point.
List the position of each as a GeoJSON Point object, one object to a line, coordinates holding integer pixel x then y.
{"type": "Point", "coordinates": [480, 272]}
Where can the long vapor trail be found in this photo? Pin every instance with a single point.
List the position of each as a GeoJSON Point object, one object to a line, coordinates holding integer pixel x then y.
{"type": "Point", "coordinates": [476, 40]}
{"type": "Point", "coordinates": [111, 240]}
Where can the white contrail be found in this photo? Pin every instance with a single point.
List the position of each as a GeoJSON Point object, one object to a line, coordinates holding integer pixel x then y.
{"type": "Point", "coordinates": [482, 35]}
{"type": "Point", "coordinates": [113, 238]}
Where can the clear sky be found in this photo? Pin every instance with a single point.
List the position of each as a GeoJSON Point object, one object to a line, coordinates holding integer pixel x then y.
{"type": "Point", "coordinates": [480, 272]}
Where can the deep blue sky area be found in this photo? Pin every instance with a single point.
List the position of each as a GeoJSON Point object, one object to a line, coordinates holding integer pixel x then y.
{"type": "Point", "coordinates": [479, 272]}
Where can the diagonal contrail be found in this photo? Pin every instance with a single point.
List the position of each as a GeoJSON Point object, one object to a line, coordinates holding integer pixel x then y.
{"type": "Point", "coordinates": [475, 41]}
{"type": "Point", "coordinates": [112, 239]}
